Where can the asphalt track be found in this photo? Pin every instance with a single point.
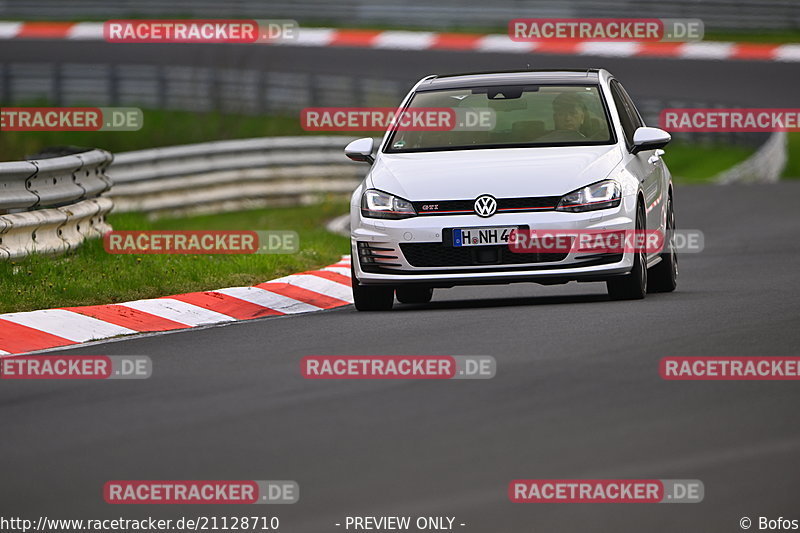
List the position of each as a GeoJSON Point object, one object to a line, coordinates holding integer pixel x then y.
{"type": "Point", "coordinates": [577, 395]}
{"type": "Point", "coordinates": [755, 83]}
{"type": "Point", "coordinates": [577, 392]}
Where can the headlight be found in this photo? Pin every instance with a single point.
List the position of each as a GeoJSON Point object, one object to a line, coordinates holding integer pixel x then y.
{"type": "Point", "coordinates": [600, 195]}
{"type": "Point", "coordinates": [378, 204]}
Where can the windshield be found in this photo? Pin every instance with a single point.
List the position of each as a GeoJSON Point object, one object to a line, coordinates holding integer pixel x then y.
{"type": "Point", "coordinates": [542, 115]}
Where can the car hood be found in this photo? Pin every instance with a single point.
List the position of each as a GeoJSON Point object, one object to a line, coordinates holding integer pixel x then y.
{"type": "Point", "coordinates": [503, 172]}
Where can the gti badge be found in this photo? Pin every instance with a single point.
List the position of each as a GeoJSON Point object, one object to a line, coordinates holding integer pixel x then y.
{"type": "Point", "coordinates": [485, 206]}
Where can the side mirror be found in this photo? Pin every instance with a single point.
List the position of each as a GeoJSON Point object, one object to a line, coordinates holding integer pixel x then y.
{"type": "Point", "coordinates": [361, 150]}
{"type": "Point", "coordinates": [649, 139]}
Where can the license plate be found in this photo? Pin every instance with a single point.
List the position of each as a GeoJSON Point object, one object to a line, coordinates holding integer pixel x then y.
{"type": "Point", "coordinates": [482, 236]}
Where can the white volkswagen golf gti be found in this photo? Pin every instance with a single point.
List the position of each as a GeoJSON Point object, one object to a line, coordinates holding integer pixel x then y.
{"type": "Point", "coordinates": [566, 150]}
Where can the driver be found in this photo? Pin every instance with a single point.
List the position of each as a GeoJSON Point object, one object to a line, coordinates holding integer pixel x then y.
{"type": "Point", "coordinates": [569, 112]}
{"type": "Point", "coordinates": [569, 115]}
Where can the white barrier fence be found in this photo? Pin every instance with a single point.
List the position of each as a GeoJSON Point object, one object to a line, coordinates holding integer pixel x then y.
{"type": "Point", "coordinates": [53, 205]}
{"type": "Point", "coordinates": [764, 166]}
{"type": "Point", "coordinates": [232, 175]}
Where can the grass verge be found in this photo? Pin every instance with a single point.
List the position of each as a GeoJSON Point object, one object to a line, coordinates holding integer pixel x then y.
{"type": "Point", "coordinates": [692, 163]}
{"type": "Point", "coordinates": [90, 276]}
{"type": "Point", "coordinates": [792, 170]}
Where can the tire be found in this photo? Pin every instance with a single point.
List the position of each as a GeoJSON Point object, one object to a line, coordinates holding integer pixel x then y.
{"type": "Point", "coordinates": [368, 298]}
{"type": "Point", "coordinates": [664, 276]}
{"type": "Point", "coordinates": [414, 295]}
{"type": "Point", "coordinates": [632, 286]}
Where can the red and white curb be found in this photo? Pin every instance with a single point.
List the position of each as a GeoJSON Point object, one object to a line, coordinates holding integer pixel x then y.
{"type": "Point", "coordinates": [421, 40]}
{"type": "Point", "coordinates": [305, 292]}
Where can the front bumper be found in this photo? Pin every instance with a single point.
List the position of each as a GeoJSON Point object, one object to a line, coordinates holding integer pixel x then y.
{"type": "Point", "coordinates": [397, 268]}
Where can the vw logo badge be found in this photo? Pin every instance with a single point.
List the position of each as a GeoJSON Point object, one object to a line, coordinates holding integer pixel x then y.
{"type": "Point", "coordinates": [485, 206]}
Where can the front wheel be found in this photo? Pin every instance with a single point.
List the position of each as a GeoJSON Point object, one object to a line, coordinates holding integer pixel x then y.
{"type": "Point", "coordinates": [664, 276]}
{"type": "Point", "coordinates": [632, 286]}
{"type": "Point", "coordinates": [366, 298]}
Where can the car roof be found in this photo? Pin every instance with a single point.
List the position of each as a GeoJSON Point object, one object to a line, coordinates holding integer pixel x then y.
{"type": "Point", "coordinates": [524, 77]}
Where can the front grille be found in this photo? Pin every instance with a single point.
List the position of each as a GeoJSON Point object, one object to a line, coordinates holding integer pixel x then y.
{"type": "Point", "coordinates": [535, 203]}
{"type": "Point", "coordinates": [504, 205]}
{"type": "Point", "coordinates": [435, 254]}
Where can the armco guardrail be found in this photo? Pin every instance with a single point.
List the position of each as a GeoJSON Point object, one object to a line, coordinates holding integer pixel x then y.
{"type": "Point", "coordinates": [764, 166]}
{"type": "Point", "coordinates": [53, 205]}
{"type": "Point", "coordinates": [232, 175]}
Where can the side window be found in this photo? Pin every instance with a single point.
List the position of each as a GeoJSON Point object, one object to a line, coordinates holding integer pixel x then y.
{"type": "Point", "coordinates": [627, 113]}
{"type": "Point", "coordinates": [637, 118]}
